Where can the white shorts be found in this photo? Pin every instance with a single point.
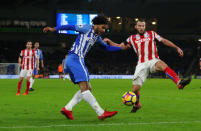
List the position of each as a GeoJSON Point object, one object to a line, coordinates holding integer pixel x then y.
{"type": "Point", "coordinates": [26, 73]}
{"type": "Point", "coordinates": [142, 71]}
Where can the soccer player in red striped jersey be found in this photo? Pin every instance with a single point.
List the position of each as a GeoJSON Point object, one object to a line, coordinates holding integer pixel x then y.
{"type": "Point", "coordinates": [144, 45]}
{"type": "Point", "coordinates": [26, 62]}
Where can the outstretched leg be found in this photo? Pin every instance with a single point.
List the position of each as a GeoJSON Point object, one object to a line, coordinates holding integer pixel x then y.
{"type": "Point", "coordinates": [162, 66]}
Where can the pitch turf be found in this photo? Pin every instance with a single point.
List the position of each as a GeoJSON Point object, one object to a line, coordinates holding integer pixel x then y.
{"type": "Point", "coordinates": [164, 107]}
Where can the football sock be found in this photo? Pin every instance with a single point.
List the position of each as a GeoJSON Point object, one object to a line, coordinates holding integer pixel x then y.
{"type": "Point", "coordinates": [89, 98]}
{"type": "Point", "coordinates": [31, 82]}
{"type": "Point", "coordinates": [27, 89]}
{"type": "Point", "coordinates": [74, 101]}
{"type": "Point", "coordinates": [172, 75]}
{"type": "Point", "coordinates": [19, 87]}
{"type": "Point", "coordinates": [138, 98]}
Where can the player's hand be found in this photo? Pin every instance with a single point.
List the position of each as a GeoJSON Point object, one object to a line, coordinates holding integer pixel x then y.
{"type": "Point", "coordinates": [123, 46]}
{"type": "Point", "coordinates": [106, 40]}
{"type": "Point", "coordinates": [46, 29]}
{"type": "Point", "coordinates": [180, 52]}
{"type": "Point", "coordinates": [42, 66]}
{"type": "Point", "coordinates": [20, 65]}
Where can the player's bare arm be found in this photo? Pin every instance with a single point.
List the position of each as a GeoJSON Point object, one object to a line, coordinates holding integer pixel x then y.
{"type": "Point", "coordinates": [200, 63]}
{"type": "Point", "coordinates": [110, 42]}
{"type": "Point", "coordinates": [51, 29]}
{"type": "Point", "coordinates": [42, 64]}
{"type": "Point", "coordinates": [170, 44]}
{"type": "Point", "coordinates": [19, 61]}
{"type": "Point", "coordinates": [122, 45]}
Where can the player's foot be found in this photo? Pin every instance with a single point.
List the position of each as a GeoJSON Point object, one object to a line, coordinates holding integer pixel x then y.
{"type": "Point", "coordinates": [184, 82]}
{"type": "Point", "coordinates": [136, 108]}
{"type": "Point", "coordinates": [31, 89]}
{"type": "Point", "coordinates": [67, 113]}
{"type": "Point", "coordinates": [25, 93]}
{"type": "Point", "coordinates": [107, 114]}
{"type": "Point", "coordinates": [18, 94]}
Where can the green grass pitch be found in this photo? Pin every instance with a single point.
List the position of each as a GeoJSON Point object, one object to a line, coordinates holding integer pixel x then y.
{"type": "Point", "coordinates": [164, 107]}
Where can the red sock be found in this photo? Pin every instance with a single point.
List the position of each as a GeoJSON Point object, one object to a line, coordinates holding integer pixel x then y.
{"type": "Point", "coordinates": [172, 75]}
{"type": "Point", "coordinates": [138, 98]}
{"type": "Point", "coordinates": [19, 87]}
{"type": "Point", "coordinates": [28, 85]}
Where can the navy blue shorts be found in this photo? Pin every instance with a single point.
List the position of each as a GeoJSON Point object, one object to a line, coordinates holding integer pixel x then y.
{"type": "Point", "coordinates": [35, 72]}
{"type": "Point", "coordinates": [76, 68]}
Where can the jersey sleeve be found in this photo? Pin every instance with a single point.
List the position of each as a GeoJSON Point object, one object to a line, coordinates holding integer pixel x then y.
{"type": "Point", "coordinates": [158, 37]}
{"type": "Point", "coordinates": [106, 46]}
{"type": "Point", "coordinates": [36, 55]}
{"type": "Point", "coordinates": [41, 55]}
{"type": "Point", "coordinates": [127, 41]}
{"type": "Point", "coordinates": [20, 53]}
{"type": "Point", "coordinates": [78, 28]}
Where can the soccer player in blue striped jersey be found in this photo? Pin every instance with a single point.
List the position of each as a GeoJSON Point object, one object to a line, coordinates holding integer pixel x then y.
{"type": "Point", "coordinates": [35, 72]}
{"type": "Point", "coordinates": [87, 37]}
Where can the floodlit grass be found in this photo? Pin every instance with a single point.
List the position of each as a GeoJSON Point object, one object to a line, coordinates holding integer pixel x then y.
{"type": "Point", "coordinates": [164, 107]}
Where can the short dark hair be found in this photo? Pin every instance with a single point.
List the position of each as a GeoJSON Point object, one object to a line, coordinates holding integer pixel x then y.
{"type": "Point", "coordinates": [141, 20]}
{"type": "Point", "coordinates": [100, 20]}
{"type": "Point", "coordinates": [28, 41]}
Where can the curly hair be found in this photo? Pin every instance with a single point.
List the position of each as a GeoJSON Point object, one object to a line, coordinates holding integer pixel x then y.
{"type": "Point", "coordinates": [99, 20]}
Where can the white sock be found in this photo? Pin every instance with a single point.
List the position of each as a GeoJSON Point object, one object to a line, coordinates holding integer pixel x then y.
{"type": "Point", "coordinates": [74, 101]}
{"type": "Point", "coordinates": [88, 97]}
{"type": "Point", "coordinates": [31, 82]}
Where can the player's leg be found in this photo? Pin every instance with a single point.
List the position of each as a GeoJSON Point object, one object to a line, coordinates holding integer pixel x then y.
{"type": "Point", "coordinates": [137, 83]}
{"type": "Point", "coordinates": [141, 73]}
{"type": "Point", "coordinates": [19, 85]}
{"type": "Point", "coordinates": [31, 83]}
{"type": "Point", "coordinates": [32, 79]}
{"type": "Point", "coordinates": [28, 77]}
{"type": "Point", "coordinates": [79, 74]}
{"type": "Point", "coordinates": [76, 99]}
{"type": "Point", "coordinates": [22, 75]}
{"type": "Point", "coordinates": [162, 66]}
{"type": "Point", "coordinates": [89, 98]}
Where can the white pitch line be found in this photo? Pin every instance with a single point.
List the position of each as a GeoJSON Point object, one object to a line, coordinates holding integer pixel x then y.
{"type": "Point", "coordinates": [109, 124]}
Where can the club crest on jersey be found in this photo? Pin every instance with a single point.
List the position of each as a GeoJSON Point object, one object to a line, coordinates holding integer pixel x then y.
{"type": "Point", "coordinates": [80, 26]}
{"type": "Point", "coordinates": [142, 40]}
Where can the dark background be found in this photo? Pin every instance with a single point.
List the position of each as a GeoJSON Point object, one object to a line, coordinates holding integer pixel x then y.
{"type": "Point", "coordinates": [177, 20]}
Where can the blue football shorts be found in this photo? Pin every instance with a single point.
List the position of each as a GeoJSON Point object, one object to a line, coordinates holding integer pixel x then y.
{"type": "Point", "coordinates": [76, 68]}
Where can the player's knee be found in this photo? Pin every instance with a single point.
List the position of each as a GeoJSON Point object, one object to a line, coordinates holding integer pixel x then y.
{"type": "Point", "coordinates": [83, 86]}
{"type": "Point", "coordinates": [136, 88]}
{"type": "Point", "coordinates": [161, 66]}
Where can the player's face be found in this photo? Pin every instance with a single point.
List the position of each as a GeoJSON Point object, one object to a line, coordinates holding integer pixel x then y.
{"type": "Point", "coordinates": [29, 45]}
{"type": "Point", "coordinates": [36, 45]}
{"type": "Point", "coordinates": [140, 27]}
{"type": "Point", "coordinates": [101, 28]}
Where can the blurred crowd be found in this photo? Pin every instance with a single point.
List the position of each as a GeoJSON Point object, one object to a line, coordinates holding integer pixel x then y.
{"type": "Point", "coordinates": [99, 61]}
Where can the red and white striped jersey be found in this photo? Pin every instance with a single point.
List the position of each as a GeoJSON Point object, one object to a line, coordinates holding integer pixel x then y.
{"type": "Point", "coordinates": [28, 59]}
{"type": "Point", "coordinates": [145, 45]}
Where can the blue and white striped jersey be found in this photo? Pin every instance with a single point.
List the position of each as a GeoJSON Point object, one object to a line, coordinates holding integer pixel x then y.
{"type": "Point", "coordinates": [85, 39]}
{"type": "Point", "coordinates": [39, 55]}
